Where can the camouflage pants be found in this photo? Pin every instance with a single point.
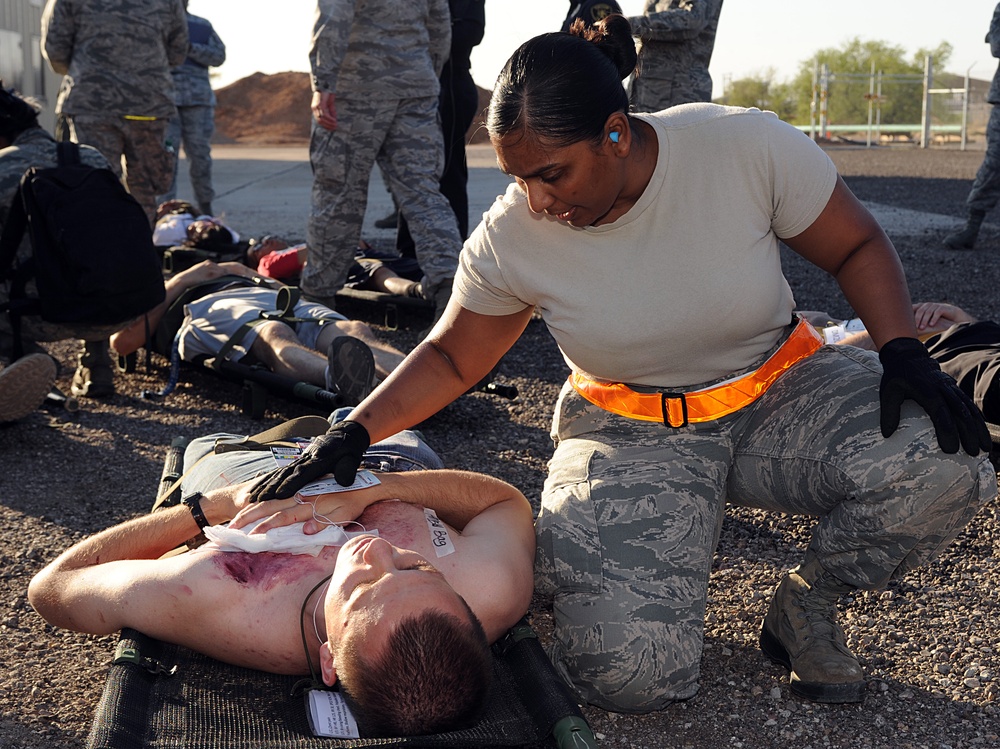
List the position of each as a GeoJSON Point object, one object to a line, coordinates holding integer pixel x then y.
{"type": "Point", "coordinates": [404, 137]}
{"type": "Point", "coordinates": [985, 192]}
{"type": "Point", "coordinates": [193, 126]}
{"type": "Point", "coordinates": [631, 513]}
{"type": "Point", "coordinates": [148, 166]}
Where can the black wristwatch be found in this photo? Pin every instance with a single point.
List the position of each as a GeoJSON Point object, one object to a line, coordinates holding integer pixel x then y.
{"type": "Point", "coordinates": [193, 502]}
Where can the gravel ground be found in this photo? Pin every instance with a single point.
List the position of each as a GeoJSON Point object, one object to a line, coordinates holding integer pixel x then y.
{"type": "Point", "coordinates": [928, 643]}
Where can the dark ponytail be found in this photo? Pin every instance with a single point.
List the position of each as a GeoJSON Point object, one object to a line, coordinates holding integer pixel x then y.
{"type": "Point", "coordinates": [562, 87]}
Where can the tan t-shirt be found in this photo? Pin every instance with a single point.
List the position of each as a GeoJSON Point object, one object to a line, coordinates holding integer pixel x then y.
{"type": "Point", "coordinates": [687, 286]}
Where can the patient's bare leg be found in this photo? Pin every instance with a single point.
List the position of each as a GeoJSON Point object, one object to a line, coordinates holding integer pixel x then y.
{"type": "Point", "coordinates": [278, 348]}
{"type": "Point", "coordinates": [387, 357]}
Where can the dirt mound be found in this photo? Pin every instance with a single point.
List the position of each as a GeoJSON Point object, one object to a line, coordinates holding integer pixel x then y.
{"type": "Point", "coordinates": [273, 110]}
{"type": "Point", "coordinates": [264, 110]}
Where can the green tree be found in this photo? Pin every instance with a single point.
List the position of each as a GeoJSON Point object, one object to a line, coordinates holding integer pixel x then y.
{"type": "Point", "coordinates": [847, 103]}
{"type": "Point", "coordinates": [761, 90]}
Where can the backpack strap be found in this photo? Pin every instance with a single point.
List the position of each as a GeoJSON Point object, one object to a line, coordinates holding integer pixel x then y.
{"type": "Point", "coordinates": [13, 233]}
{"type": "Point", "coordinates": [68, 153]}
{"type": "Point", "coordinates": [10, 240]}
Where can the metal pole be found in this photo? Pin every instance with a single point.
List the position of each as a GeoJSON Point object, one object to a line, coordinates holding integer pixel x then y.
{"type": "Point", "coordinates": [814, 104]}
{"type": "Point", "coordinates": [925, 116]}
{"type": "Point", "coordinates": [824, 95]}
{"type": "Point", "coordinates": [878, 112]}
{"type": "Point", "coordinates": [965, 109]}
{"type": "Point", "coordinates": [871, 104]}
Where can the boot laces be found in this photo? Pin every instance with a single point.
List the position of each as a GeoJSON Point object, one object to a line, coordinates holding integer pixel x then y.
{"type": "Point", "coordinates": [819, 610]}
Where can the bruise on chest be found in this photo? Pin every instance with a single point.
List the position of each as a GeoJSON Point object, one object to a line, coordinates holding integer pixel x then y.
{"type": "Point", "coordinates": [399, 523]}
{"type": "Point", "coordinates": [268, 570]}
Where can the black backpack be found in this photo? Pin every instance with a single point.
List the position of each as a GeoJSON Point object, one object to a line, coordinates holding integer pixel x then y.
{"type": "Point", "coordinates": [93, 258]}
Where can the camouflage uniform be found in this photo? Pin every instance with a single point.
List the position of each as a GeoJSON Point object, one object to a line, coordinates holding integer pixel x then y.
{"type": "Point", "coordinates": [118, 94]}
{"type": "Point", "coordinates": [677, 39]}
{"type": "Point", "coordinates": [985, 192]}
{"type": "Point", "coordinates": [35, 147]}
{"type": "Point", "coordinates": [382, 60]}
{"type": "Point", "coordinates": [195, 100]}
{"type": "Point", "coordinates": [631, 513]}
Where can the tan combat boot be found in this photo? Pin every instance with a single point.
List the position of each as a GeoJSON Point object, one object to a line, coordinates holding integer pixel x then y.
{"type": "Point", "coordinates": [801, 633]}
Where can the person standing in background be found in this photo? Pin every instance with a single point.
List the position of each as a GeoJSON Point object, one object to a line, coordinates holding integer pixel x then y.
{"type": "Point", "coordinates": [194, 124]}
{"type": "Point", "coordinates": [590, 12]}
{"type": "Point", "coordinates": [677, 38]}
{"type": "Point", "coordinates": [118, 94]}
{"type": "Point", "coordinates": [985, 190]}
{"type": "Point", "coordinates": [118, 97]}
{"type": "Point", "coordinates": [457, 106]}
{"type": "Point", "coordinates": [375, 67]}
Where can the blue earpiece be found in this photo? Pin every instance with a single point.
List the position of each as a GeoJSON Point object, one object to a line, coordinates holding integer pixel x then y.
{"type": "Point", "coordinates": [614, 136]}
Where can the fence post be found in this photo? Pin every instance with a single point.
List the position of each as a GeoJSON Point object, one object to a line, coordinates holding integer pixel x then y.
{"type": "Point", "coordinates": [965, 110]}
{"type": "Point", "coordinates": [814, 104]}
{"type": "Point", "coordinates": [925, 116]}
{"type": "Point", "coordinates": [871, 104]}
{"type": "Point", "coordinates": [824, 95]}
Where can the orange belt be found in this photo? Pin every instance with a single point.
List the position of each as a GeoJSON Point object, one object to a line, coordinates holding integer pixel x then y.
{"type": "Point", "coordinates": [678, 409]}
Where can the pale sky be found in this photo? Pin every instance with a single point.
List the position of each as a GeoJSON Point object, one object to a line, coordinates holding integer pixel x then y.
{"type": "Point", "coordinates": [754, 35]}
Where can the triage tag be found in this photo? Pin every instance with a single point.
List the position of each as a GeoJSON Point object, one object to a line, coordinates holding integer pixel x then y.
{"type": "Point", "coordinates": [439, 534]}
{"type": "Point", "coordinates": [284, 456]}
{"type": "Point", "coordinates": [363, 480]}
{"type": "Point", "coordinates": [329, 715]}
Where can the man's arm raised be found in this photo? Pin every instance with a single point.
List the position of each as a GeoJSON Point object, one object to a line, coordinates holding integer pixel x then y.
{"type": "Point", "coordinates": [133, 337]}
{"type": "Point", "coordinates": [86, 588]}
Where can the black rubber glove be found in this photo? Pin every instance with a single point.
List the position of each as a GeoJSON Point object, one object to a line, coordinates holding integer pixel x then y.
{"type": "Point", "coordinates": [339, 452]}
{"type": "Point", "coordinates": [910, 372]}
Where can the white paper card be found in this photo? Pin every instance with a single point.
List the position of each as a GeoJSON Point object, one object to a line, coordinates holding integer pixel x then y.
{"type": "Point", "coordinates": [329, 715]}
{"type": "Point", "coordinates": [439, 534]}
{"type": "Point", "coordinates": [284, 456]}
{"type": "Point", "coordinates": [363, 480]}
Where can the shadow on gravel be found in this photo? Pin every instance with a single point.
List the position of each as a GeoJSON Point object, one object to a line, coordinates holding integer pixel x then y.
{"type": "Point", "coordinates": [75, 479]}
{"type": "Point", "coordinates": [933, 195]}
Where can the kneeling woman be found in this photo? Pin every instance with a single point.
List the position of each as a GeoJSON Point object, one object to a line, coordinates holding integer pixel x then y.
{"type": "Point", "coordinates": [650, 245]}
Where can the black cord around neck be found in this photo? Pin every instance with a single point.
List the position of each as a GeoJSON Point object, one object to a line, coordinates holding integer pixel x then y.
{"type": "Point", "coordinates": [313, 682]}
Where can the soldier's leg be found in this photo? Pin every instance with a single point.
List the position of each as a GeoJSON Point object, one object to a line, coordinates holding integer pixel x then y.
{"type": "Point", "coordinates": [630, 517]}
{"type": "Point", "coordinates": [813, 445]}
{"type": "Point", "coordinates": [412, 158]}
{"type": "Point", "coordinates": [106, 134]}
{"type": "Point", "coordinates": [198, 126]}
{"type": "Point", "coordinates": [149, 167]}
{"type": "Point", "coordinates": [173, 138]}
{"type": "Point", "coordinates": [341, 162]}
{"type": "Point", "coordinates": [985, 192]}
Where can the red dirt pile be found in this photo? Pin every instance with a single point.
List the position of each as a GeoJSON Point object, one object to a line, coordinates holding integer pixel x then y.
{"type": "Point", "coordinates": [273, 110]}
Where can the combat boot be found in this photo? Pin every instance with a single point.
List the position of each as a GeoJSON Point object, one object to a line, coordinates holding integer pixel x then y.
{"type": "Point", "coordinates": [93, 377]}
{"type": "Point", "coordinates": [966, 238]}
{"type": "Point", "coordinates": [801, 633]}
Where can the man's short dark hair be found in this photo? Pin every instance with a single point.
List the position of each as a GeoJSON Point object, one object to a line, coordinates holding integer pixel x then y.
{"type": "Point", "coordinates": [433, 675]}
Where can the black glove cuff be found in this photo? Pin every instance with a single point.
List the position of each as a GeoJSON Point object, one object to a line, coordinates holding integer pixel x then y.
{"type": "Point", "coordinates": [354, 432]}
{"type": "Point", "coordinates": [903, 348]}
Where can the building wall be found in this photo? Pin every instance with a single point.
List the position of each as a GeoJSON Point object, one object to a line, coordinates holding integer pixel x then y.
{"type": "Point", "coordinates": [21, 63]}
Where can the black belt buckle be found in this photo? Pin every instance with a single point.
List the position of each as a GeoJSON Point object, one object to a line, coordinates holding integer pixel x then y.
{"type": "Point", "coordinates": [664, 397]}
